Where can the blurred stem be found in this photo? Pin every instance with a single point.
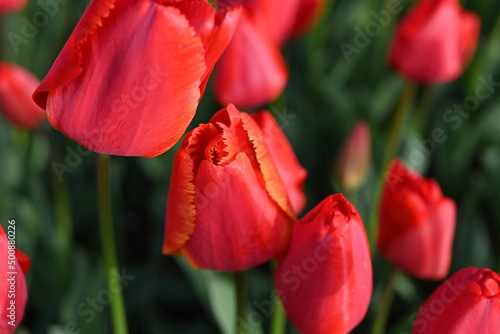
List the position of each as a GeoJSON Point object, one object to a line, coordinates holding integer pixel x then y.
{"type": "Point", "coordinates": [278, 321]}
{"type": "Point", "coordinates": [380, 321]}
{"type": "Point", "coordinates": [239, 278]}
{"type": "Point", "coordinates": [64, 221]}
{"type": "Point", "coordinates": [398, 125]}
{"type": "Point", "coordinates": [391, 151]}
{"type": "Point", "coordinates": [423, 110]}
{"type": "Point", "coordinates": [3, 38]}
{"type": "Point", "coordinates": [108, 243]}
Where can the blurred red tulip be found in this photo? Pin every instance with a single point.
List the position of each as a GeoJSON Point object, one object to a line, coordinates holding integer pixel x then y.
{"type": "Point", "coordinates": [468, 302]}
{"type": "Point", "coordinates": [421, 54]}
{"type": "Point", "coordinates": [7, 6]}
{"type": "Point", "coordinates": [325, 279]}
{"type": "Point", "coordinates": [129, 79]}
{"type": "Point", "coordinates": [252, 71]}
{"type": "Point", "coordinates": [291, 172]}
{"type": "Point", "coordinates": [13, 288]}
{"type": "Point", "coordinates": [354, 158]}
{"type": "Point", "coordinates": [227, 207]}
{"type": "Point", "coordinates": [16, 87]}
{"type": "Point", "coordinates": [416, 224]}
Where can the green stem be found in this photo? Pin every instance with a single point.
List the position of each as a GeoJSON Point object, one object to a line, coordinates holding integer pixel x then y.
{"type": "Point", "coordinates": [3, 37]}
{"type": "Point", "coordinates": [424, 109]}
{"type": "Point", "coordinates": [392, 148]}
{"type": "Point", "coordinates": [62, 210]}
{"type": "Point", "coordinates": [380, 320]}
{"type": "Point", "coordinates": [239, 278]}
{"type": "Point", "coordinates": [278, 321]}
{"type": "Point", "coordinates": [398, 124]}
{"type": "Point", "coordinates": [5, 48]}
{"type": "Point", "coordinates": [118, 314]}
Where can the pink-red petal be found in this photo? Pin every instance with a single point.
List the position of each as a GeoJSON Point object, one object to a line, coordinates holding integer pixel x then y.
{"type": "Point", "coordinates": [291, 172]}
{"type": "Point", "coordinates": [251, 71]}
{"type": "Point", "coordinates": [128, 80]}
{"type": "Point", "coordinates": [16, 87]}
{"type": "Point", "coordinates": [239, 235]}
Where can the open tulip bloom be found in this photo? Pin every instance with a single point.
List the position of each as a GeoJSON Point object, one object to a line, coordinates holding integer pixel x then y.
{"type": "Point", "coordinates": [129, 79]}
{"type": "Point", "coordinates": [227, 206]}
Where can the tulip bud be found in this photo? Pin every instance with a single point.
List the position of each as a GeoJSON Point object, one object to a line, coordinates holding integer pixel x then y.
{"type": "Point", "coordinates": [227, 207]}
{"type": "Point", "coordinates": [130, 77]}
{"type": "Point", "coordinates": [467, 302]}
{"type": "Point", "coordinates": [416, 224]}
{"type": "Point", "coordinates": [422, 55]}
{"type": "Point", "coordinates": [291, 172]}
{"type": "Point", "coordinates": [16, 87]}
{"type": "Point", "coordinates": [252, 71]}
{"type": "Point", "coordinates": [13, 288]}
{"type": "Point", "coordinates": [325, 279]}
{"type": "Point", "coordinates": [354, 158]}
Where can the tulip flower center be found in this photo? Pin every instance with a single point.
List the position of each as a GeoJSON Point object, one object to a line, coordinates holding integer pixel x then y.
{"type": "Point", "coordinates": [214, 151]}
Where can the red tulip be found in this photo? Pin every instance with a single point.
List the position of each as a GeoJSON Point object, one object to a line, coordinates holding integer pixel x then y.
{"type": "Point", "coordinates": [129, 79]}
{"type": "Point", "coordinates": [353, 160]}
{"type": "Point", "coordinates": [416, 224]}
{"type": "Point", "coordinates": [252, 72]}
{"type": "Point", "coordinates": [227, 207]}
{"type": "Point", "coordinates": [468, 302]}
{"type": "Point", "coordinates": [13, 288]}
{"type": "Point", "coordinates": [16, 87]}
{"type": "Point", "coordinates": [291, 172]}
{"type": "Point", "coordinates": [325, 279]}
{"type": "Point", "coordinates": [7, 6]}
{"type": "Point", "coordinates": [435, 41]}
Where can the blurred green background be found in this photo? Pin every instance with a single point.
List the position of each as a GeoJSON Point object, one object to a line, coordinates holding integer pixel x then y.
{"type": "Point", "coordinates": [326, 95]}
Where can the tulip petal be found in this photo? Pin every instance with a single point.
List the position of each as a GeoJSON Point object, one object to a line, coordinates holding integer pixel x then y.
{"type": "Point", "coordinates": [7, 6]}
{"type": "Point", "coordinates": [214, 29]}
{"type": "Point", "coordinates": [327, 270]}
{"type": "Point", "coordinates": [16, 87]}
{"type": "Point", "coordinates": [422, 55]}
{"type": "Point", "coordinates": [251, 71]}
{"type": "Point", "coordinates": [272, 179]}
{"type": "Point", "coordinates": [308, 13]}
{"type": "Point", "coordinates": [149, 91]}
{"type": "Point", "coordinates": [416, 224]}
{"type": "Point", "coordinates": [291, 172]}
{"type": "Point", "coordinates": [467, 302]}
{"type": "Point", "coordinates": [23, 260]}
{"type": "Point", "coordinates": [11, 273]}
{"type": "Point", "coordinates": [278, 18]}
{"type": "Point", "coordinates": [241, 235]}
{"type": "Point", "coordinates": [181, 212]}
